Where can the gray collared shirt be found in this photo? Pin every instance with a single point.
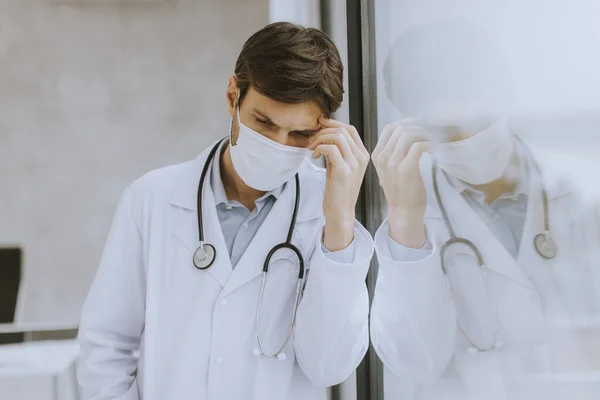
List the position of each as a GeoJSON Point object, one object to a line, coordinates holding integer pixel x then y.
{"type": "Point", "coordinates": [505, 216]}
{"type": "Point", "coordinates": [239, 225]}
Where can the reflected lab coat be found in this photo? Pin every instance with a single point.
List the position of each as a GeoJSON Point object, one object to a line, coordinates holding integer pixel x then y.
{"type": "Point", "coordinates": [196, 329]}
{"type": "Point", "coordinates": [413, 316]}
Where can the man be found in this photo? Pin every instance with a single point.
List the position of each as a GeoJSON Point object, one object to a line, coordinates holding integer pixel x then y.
{"type": "Point", "coordinates": [193, 318]}
{"type": "Point", "coordinates": [476, 297]}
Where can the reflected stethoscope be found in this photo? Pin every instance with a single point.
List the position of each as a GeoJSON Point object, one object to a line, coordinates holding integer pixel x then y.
{"type": "Point", "coordinates": [205, 256]}
{"type": "Point", "coordinates": [542, 242]}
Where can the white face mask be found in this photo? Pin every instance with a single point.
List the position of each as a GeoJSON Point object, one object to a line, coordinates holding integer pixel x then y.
{"type": "Point", "coordinates": [262, 163]}
{"type": "Point", "coordinates": [480, 159]}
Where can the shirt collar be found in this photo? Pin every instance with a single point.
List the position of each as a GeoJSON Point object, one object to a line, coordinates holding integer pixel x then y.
{"type": "Point", "coordinates": [521, 187]}
{"type": "Point", "coordinates": [217, 183]}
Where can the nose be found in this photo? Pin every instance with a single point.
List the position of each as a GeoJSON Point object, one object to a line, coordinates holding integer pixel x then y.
{"type": "Point", "coordinates": [282, 137]}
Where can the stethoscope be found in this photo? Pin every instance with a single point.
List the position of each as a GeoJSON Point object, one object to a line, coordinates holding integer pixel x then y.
{"type": "Point", "coordinates": [542, 242]}
{"type": "Point", "coordinates": [205, 256]}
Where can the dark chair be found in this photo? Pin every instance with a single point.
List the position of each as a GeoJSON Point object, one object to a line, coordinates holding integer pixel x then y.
{"type": "Point", "coordinates": [10, 279]}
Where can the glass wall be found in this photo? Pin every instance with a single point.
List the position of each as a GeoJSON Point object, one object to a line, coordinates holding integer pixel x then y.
{"type": "Point", "coordinates": [488, 154]}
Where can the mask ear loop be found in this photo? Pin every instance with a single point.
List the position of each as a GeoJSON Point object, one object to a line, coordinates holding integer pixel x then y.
{"type": "Point", "coordinates": [235, 117]}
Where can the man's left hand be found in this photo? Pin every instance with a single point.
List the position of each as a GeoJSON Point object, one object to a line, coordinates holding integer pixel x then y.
{"type": "Point", "coordinates": [347, 161]}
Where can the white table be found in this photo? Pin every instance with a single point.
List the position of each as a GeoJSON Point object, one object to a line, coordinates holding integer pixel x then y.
{"type": "Point", "coordinates": [27, 327]}
{"type": "Point", "coordinates": [55, 359]}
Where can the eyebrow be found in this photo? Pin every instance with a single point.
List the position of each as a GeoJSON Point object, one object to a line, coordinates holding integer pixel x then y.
{"type": "Point", "coordinates": [271, 122]}
{"type": "Point", "coordinates": [265, 117]}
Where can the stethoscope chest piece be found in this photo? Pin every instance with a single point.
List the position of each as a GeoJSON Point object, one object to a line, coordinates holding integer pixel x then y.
{"type": "Point", "coordinates": [204, 256]}
{"type": "Point", "coordinates": [545, 245]}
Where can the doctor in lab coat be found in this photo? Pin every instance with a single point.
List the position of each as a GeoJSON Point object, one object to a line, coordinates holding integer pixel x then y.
{"type": "Point", "coordinates": [195, 330]}
{"type": "Point", "coordinates": [511, 329]}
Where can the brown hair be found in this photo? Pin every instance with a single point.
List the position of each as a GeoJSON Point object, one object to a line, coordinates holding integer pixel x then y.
{"type": "Point", "coordinates": [292, 64]}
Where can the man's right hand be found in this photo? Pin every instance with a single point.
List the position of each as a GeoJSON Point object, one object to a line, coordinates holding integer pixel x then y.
{"type": "Point", "coordinates": [396, 159]}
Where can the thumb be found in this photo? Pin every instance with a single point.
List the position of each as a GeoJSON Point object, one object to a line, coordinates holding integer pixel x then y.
{"type": "Point", "coordinates": [416, 151]}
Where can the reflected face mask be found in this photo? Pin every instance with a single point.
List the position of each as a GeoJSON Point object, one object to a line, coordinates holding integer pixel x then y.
{"type": "Point", "coordinates": [262, 163]}
{"type": "Point", "coordinates": [480, 159]}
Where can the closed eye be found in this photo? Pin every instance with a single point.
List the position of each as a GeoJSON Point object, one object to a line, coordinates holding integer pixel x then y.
{"type": "Point", "coordinates": [263, 122]}
{"type": "Point", "coordinates": [304, 134]}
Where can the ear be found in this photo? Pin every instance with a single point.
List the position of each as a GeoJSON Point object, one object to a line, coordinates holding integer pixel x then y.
{"type": "Point", "coordinates": [231, 95]}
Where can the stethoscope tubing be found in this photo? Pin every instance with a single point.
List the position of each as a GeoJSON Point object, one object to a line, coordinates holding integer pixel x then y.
{"type": "Point", "coordinates": [454, 239]}
{"type": "Point", "coordinates": [203, 247]}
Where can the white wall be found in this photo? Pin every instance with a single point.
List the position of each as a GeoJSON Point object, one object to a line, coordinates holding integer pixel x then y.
{"type": "Point", "coordinates": [302, 12]}
{"type": "Point", "coordinates": [90, 98]}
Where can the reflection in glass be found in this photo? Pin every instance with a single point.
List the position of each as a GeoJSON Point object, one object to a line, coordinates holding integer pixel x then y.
{"type": "Point", "coordinates": [512, 310]}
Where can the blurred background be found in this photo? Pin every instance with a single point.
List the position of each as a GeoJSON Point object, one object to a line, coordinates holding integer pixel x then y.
{"type": "Point", "coordinates": [93, 93]}
{"type": "Point", "coordinates": [96, 93]}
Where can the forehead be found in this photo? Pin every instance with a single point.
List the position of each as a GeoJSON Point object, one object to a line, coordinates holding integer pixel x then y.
{"type": "Point", "coordinates": [290, 116]}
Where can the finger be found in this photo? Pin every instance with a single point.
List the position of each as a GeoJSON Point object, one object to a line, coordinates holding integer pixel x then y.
{"type": "Point", "coordinates": [391, 144]}
{"type": "Point", "coordinates": [416, 151]}
{"type": "Point", "coordinates": [324, 131]}
{"type": "Point", "coordinates": [319, 133]}
{"type": "Point", "coordinates": [404, 147]}
{"type": "Point", "coordinates": [337, 138]}
{"type": "Point", "coordinates": [353, 134]}
{"type": "Point", "coordinates": [400, 134]}
{"type": "Point", "coordinates": [388, 130]}
{"type": "Point", "coordinates": [406, 141]}
{"type": "Point", "coordinates": [359, 153]}
{"type": "Point", "coordinates": [331, 123]}
{"type": "Point", "coordinates": [384, 138]}
{"type": "Point", "coordinates": [332, 153]}
{"type": "Point", "coordinates": [356, 140]}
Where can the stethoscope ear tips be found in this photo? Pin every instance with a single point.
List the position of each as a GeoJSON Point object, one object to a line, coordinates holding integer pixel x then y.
{"type": "Point", "coordinates": [281, 356]}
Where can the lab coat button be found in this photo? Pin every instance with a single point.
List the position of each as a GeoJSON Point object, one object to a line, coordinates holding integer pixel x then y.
{"type": "Point", "coordinates": [228, 207]}
{"type": "Point", "coordinates": [245, 224]}
{"type": "Point", "coordinates": [218, 361]}
{"type": "Point", "coordinates": [224, 302]}
{"type": "Point", "coordinates": [496, 217]}
{"type": "Point", "coordinates": [472, 350]}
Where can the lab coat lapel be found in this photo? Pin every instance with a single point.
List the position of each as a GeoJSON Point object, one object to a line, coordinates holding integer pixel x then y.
{"type": "Point", "coordinates": [528, 258]}
{"type": "Point", "coordinates": [468, 224]}
{"type": "Point", "coordinates": [186, 219]}
{"type": "Point", "coordinates": [541, 271]}
{"type": "Point", "coordinates": [559, 217]}
{"type": "Point", "coordinates": [273, 231]}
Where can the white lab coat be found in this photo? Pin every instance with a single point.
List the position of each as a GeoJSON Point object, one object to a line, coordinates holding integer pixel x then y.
{"type": "Point", "coordinates": [413, 317]}
{"type": "Point", "coordinates": [197, 328]}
